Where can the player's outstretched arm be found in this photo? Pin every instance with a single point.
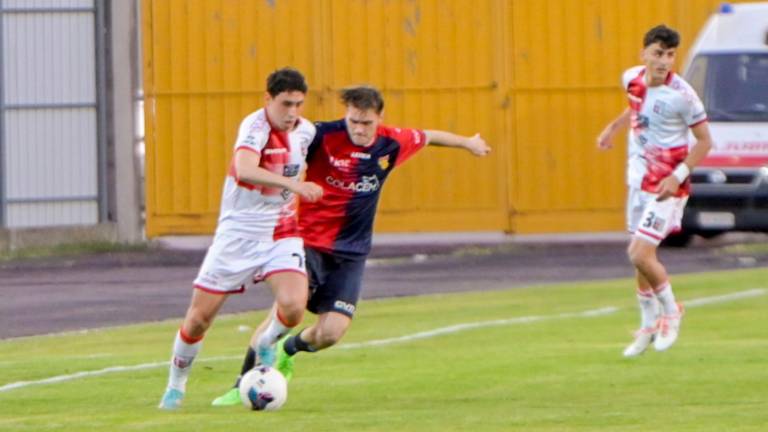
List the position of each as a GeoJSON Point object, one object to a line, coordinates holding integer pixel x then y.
{"type": "Point", "coordinates": [605, 139]}
{"type": "Point", "coordinates": [668, 187]}
{"type": "Point", "coordinates": [248, 170]}
{"type": "Point", "coordinates": [474, 144]}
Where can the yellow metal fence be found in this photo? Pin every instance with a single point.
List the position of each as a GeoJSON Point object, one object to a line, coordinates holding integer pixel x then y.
{"type": "Point", "coordinates": [538, 79]}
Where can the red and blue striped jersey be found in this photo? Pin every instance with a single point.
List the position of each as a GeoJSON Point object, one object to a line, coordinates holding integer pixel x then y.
{"type": "Point", "coordinates": [341, 222]}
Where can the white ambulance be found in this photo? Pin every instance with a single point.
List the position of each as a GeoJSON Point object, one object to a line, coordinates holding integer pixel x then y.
{"type": "Point", "coordinates": [728, 67]}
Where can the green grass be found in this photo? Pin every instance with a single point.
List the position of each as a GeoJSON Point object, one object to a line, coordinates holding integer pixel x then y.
{"type": "Point", "coordinates": [551, 375]}
{"type": "Point", "coordinates": [70, 249]}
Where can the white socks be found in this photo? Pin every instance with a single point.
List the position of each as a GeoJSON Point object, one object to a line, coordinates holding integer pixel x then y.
{"type": "Point", "coordinates": [649, 308]}
{"type": "Point", "coordinates": [185, 350]}
{"type": "Point", "coordinates": [666, 298]}
{"type": "Point", "coordinates": [274, 331]}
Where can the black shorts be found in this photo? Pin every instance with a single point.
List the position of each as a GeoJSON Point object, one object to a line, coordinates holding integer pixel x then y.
{"type": "Point", "coordinates": [334, 282]}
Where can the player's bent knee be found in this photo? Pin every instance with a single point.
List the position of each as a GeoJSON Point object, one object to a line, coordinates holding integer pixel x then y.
{"type": "Point", "coordinates": [640, 258]}
{"type": "Point", "coordinates": [196, 325]}
{"type": "Point", "coordinates": [291, 315]}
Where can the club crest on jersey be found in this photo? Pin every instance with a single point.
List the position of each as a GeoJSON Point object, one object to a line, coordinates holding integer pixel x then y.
{"type": "Point", "coordinates": [660, 107]}
{"type": "Point", "coordinates": [291, 170]}
{"type": "Point", "coordinates": [384, 162]}
{"type": "Point", "coordinates": [658, 224]}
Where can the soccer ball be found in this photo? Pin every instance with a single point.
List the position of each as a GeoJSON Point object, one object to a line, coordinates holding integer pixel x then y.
{"type": "Point", "coordinates": [263, 389]}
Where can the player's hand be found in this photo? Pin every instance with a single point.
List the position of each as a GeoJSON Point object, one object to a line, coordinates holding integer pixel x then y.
{"type": "Point", "coordinates": [308, 191]}
{"type": "Point", "coordinates": [605, 140]}
{"type": "Point", "coordinates": [668, 188]}
{"type": "Point", "coordinates": [477, 145]}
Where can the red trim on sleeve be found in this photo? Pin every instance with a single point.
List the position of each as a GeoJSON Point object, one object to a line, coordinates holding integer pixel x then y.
{"type": "Point", "coordinates": [249, 149]}
{"type": "Point", "coordinates": [704, 120]}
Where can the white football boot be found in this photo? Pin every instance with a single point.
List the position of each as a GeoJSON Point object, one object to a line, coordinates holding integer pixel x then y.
{"type": "Point", "coordinates": [669, 328]}
{"type": "Point", "coordinates": [643, 339]}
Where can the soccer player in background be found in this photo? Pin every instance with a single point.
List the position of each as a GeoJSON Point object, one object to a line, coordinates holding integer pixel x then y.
{"type": "Point", "coordinates": [351, 158]}
{"type": "Point", "coordinates": [257, 229]}
{"type": "Point", "coordinates": [663, 108]}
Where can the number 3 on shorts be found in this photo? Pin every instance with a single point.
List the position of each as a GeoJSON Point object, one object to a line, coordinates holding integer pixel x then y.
{"type": "Point", "coordinates": [648, 222]}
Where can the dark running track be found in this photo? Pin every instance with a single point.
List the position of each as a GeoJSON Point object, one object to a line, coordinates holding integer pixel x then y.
{"type": "Point", "coordinates": [113, 289]}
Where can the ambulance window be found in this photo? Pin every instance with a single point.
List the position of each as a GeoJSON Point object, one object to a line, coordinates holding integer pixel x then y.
{"type": "Point", "coordinates": [736, 87]}
{"type": "Point", "coordinates": [697, 75]}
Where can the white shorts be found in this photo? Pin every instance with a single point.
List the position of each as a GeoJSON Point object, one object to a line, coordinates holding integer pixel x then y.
{"type": "Point", "coordinates": [652, 220]}
{"type": "Point", "coordinates": [231, 262]}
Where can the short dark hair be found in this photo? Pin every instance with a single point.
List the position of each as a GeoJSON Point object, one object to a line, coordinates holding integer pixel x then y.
{"type": "Point", "coordinates": [363, 98]}
{"type": "Point", "coordinates": [667, 37]}
{"type": "Point", "coordinates": [285, 80]}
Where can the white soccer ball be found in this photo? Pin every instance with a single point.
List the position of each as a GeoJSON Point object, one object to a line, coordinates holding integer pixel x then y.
{"type": "Point", "coordinates": [263, 388]}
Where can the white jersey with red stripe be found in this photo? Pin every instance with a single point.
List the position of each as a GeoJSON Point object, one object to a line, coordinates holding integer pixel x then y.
{"type": "Point", "coordinates": [258, 212]}
{"type": "Point", "coordinates": [658, 137]}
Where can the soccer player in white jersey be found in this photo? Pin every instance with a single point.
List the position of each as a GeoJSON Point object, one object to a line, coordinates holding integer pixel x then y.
{"type": "Point", "coordinates": [257, 230]}
{"type": "Point", "coordinates": [663, 108]}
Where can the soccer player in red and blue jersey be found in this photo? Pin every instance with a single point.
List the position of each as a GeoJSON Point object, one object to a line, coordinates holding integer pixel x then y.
{"type": "Point", "coordinates": [351, 158]}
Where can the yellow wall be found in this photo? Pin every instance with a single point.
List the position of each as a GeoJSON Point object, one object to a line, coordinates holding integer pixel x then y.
{"type": "Point", "coordinates": [538, 79]}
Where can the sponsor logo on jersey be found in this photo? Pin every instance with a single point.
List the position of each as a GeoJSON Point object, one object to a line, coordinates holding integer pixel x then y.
{"type": "Point", "coordinates": [366, 184]}
{"type": "Point", "coordinates": [384, 162]}
{"type": "Point", "coordinates": [291, 170]}
{"type": "Point", "coordinates": [342, 305]}
{"type": "Point", "coordinates": [339, 163]}
{"type": "Point", "coordinates": [275, 151]}
{"type": "Point", "coordinates": [360, 155]}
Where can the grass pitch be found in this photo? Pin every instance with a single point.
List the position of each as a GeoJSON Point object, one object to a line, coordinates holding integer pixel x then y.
{"type": "Point", "coordinates": [548, 372]}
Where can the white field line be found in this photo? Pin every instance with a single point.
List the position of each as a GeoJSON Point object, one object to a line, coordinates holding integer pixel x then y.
{"type": "Point", "coordinates": [480, 324]}
{"type": "Point", "coordinates": [390, 341]}
{"type": "Point", "coordinates": [724, 298]}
